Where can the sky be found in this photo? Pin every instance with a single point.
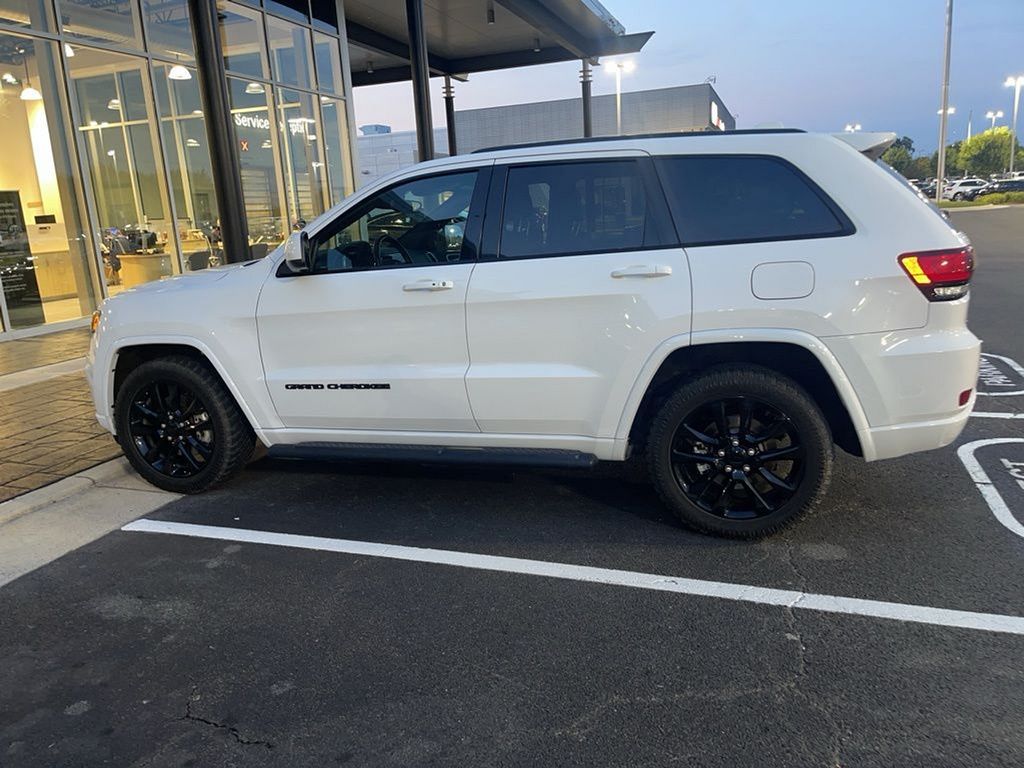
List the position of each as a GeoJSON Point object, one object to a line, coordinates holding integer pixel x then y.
{"type": "Point", "coordinates": [812, 64]}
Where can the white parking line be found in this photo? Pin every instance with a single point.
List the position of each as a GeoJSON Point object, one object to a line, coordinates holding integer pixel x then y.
{"type": "Point", "coordinates": [920, 614]}
{"type": "Point", "coordinates": [996, 415]}
{"type": "Point", "coordinates": [981, 479]}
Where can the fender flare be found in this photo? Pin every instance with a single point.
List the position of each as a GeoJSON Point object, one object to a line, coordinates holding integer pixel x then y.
{"type": "Point", "coordinates": [811, 343]}
{"type": "Point", "coordinates": [182, 341]}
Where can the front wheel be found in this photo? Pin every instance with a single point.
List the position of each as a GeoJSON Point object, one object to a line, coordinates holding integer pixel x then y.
{"type": "Point", "coordinates": [179, 426]}
{"type": "Point", "coordinates": [739, 451]}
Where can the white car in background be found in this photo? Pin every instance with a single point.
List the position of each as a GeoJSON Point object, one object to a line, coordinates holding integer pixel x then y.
{"type": "Point", "coordinates": [957, 189]}
{"type": "Point", "coordinates": [726, 307]}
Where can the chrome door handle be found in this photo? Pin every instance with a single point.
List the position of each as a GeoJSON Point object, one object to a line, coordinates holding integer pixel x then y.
{"type": "Point", "coordinates": [644, 270]}
{"type": "Point", "coordinates": [429, 285]}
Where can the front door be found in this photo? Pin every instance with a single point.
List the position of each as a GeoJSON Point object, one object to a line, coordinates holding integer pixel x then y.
{"type": "Point", "coordinates": [374, 337]}
{"type": "Point", "coordinates": [584, 282]}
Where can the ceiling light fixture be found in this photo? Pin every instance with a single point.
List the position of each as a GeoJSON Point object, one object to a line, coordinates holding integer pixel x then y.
{"type": "Point", "coordinates": [178, 72]}
{"type": "Point", "coordinates": [28, 93]}
{"type": "Point", "coordinates": [255, 89]}
{"type": "Point", "coordinates": [369, 66]}
{"type": "Point", "coordinates": [490, 12]}
{"type": "Point", "coordinates": [114, 105]}
{"type": "Point", "coordinates": [68, 50]}
{"type": "Point", "coordinates": [536, 45]}
{"type": "Point", "coordinates": [191, 143]}
{"type": "Point", "coordinates": [8, 78]}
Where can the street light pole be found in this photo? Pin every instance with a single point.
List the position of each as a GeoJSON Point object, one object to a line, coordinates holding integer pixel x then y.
{"type": "Point", "coordinates": [618, 67]}
{"type": "Point", "coordinates": [944, 113]}
{"type": "Point", "coordinates": [1015, 83]}
{"type": "Point", "coordinates": [993, 116]}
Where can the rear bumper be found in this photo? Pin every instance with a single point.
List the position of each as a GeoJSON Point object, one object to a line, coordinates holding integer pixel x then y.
{"type": "Point", "coordinates": [913, 437]}
{"type": "Point", "coordinates": [909, 384]}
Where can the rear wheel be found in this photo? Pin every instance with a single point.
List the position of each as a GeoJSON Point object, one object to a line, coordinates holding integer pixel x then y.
{"type": "Point", "coordinates": [179, 426]}
{"type": "Point", "coordinates": [740, 452]}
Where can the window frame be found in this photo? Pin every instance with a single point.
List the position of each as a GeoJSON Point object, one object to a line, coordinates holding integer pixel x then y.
{"type": "Point", "coordinates": [846, 226]}
{"type": "Point", "coordinates": [470, 235]}
{"type": "Point", "coordinates": [659, 231]}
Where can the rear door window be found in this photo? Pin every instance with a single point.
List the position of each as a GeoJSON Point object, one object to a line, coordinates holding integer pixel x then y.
{"type": "Point", "coordinates": [719, 199]}
{"type": "Point", "coordinates": [561, 209]}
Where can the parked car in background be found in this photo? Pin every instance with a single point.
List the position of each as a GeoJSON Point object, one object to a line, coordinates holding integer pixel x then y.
{"type": "Point", "coordinates": [957, 189]}
{"type": "Point", "coordinates": [1011, 185]}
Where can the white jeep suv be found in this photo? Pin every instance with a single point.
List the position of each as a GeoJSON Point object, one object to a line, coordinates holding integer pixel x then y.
{"type": "Point", "coordinates": [724, 306]}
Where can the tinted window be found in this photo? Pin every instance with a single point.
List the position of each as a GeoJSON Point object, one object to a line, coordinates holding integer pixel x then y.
{"type": "Point", "coordinates": [418, 223]}
{"type": "Point", "coordinates": [722, 199]}
{"type": "Point", "coordinates": [566, 208]}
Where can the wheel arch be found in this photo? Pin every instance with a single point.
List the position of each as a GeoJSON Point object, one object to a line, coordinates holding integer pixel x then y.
{"type": "Point", "coordinates": [794, 354]}
{"type": "Point", "coordinates": [130, 353]}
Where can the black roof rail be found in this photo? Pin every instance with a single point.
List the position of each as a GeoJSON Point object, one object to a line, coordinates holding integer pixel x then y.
{"type": "Point", "coordinates": [676, 135]}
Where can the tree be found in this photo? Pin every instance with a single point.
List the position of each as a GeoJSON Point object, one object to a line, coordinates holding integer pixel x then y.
{"type": "Point", "coordinates": [987, 152]}
{"type": "Point", "coordinates": [907, 143]}
{"type": "Point", "coordinates": [898, 156]}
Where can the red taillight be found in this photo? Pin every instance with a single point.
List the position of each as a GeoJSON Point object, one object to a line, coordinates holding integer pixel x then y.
{"type": "Point", "coordinates": [965, 396]}
{"type": "Point", "coordinates": [941, 275]}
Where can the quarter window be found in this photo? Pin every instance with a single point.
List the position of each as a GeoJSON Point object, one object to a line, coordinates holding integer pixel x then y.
{"type": "Point", "coordinates": [731, 199]}
{"type": "Point", "coordinates": [573, 208]}
{"type": "Point", "coordinates": [418, 223]}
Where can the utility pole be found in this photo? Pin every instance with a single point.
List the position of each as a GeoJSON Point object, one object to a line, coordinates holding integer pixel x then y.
{"type": "Point", "coordinates": [940, 174]}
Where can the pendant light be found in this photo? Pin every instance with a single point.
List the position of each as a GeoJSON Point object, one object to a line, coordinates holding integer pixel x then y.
{"type": "Point", "coordinates": [179, 72]}
{"type": "Point", "coordinates": [28, 93]}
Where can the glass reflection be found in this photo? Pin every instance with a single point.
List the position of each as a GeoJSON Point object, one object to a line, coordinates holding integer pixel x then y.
{"type": "Point", "coordinates": [46, 271]}
{"type": "Point", "coordinates": [120, 146]}
{"type": "Point", "coordinates": [305, 173]}
{"type": "Point", "coordinates": [113, 22]}
{"type": "Point", "coordinates": [261, 173]}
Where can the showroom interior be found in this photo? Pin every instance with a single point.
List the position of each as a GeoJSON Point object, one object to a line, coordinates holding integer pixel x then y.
{"type": "Point", "coordinates": [129, 126]}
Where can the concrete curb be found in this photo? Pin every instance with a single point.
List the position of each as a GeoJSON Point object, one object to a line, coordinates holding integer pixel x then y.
{"type": "Point", "coordinates": [32, 501]}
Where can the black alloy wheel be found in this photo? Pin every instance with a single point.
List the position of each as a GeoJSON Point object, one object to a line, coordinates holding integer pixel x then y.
{"type": "Point", "coordinates": [170, 426]}
{"type": "Point", "coordinates": [737, 458]}
{"type": "Point", "coordinates": [739, 451]}
{"type": "Point", "coordinates": [179, 426]}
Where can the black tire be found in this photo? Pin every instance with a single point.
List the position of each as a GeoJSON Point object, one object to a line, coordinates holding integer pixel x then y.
{"type": "Point", "coordinates": [180, 427]}
{"type": "Point", "coordinates": [958, 196]}
{"type": "Point", "coordinates": [786, 440]}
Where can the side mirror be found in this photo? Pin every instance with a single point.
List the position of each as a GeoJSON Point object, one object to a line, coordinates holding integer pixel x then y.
{"type": "Point", "coordinates": [296, 252]}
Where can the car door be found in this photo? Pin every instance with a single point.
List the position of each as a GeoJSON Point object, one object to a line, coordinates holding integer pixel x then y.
{"type": "Point", "coordinates": [579, 280]}
{"type": "Point", "coordinates": [374, 336]}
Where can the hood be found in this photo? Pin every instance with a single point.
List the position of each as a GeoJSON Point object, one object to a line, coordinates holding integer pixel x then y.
{"type": "Point", "coordinates": [186, 280]}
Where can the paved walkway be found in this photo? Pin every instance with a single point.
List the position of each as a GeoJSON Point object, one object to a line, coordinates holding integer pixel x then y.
{"type": "Point", "coordinates": [47, 427]}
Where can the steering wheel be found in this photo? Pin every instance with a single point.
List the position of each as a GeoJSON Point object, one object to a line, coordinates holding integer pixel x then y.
{"type": "Point", "coordinates": [379, 242]}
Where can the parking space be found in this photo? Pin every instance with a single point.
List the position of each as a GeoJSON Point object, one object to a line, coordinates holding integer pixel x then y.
{"type": "Point", "coordinates": [344, 648]}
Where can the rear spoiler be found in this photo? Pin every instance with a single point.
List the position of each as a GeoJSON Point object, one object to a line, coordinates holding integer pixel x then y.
{"type": "Point", "coordinates": [871, 145]}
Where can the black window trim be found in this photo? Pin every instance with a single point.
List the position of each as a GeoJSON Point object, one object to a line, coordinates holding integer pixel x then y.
{"type": "Point", "coordinates": [846, 226]}
{"type": "Point", "coordinates": [470, 236]}
{"type": "Point", "coordinates": [659, 222]}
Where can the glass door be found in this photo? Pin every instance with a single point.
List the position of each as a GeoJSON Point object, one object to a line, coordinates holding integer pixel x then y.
{"type": "Point", "coordinates": [118, 133]}
{"type": "Point", "coordinates": [46, 273]}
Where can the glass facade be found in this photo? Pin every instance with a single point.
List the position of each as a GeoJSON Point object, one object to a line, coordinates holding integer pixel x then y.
{"type": "Point", "coordinates": [107, 180]}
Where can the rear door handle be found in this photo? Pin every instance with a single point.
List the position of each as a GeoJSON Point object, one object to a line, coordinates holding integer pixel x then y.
{"type": "Point", "coordinates": [429, 285]}
{"type": "Point", "coordinates": [644, 270]}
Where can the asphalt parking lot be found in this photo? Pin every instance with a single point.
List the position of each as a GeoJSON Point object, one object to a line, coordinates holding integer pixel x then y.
{"type": "Point", "coordinates": [154, 649]}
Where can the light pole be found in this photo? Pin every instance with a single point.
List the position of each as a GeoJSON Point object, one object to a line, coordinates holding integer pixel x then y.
{"type": "Point", "coordinates": [852, 127]}
{"type": "Point", "coordinates": [618, 67]}
{"type": "Point", "coordinates": [1015, 83]}
{"type": "Point", "coordinates": [993, 116]}
{"type": "Point", "coordinates": [944, 110]}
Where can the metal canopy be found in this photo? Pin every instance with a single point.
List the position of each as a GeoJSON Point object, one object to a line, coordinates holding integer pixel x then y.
{"type": "Point", "coordinates": [460, 39]}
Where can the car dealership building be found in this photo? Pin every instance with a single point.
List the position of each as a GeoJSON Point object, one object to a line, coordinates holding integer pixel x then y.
{"type": "Point", "coordinates": [145, 138]}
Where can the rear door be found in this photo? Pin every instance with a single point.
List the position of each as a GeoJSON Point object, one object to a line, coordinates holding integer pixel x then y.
{"type": "Point", "coordinates": [579, 280]}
